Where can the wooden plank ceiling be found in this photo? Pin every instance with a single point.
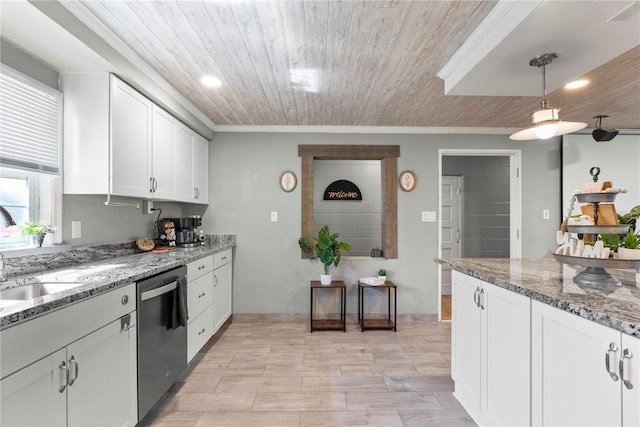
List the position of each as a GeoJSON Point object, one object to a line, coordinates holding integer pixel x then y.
{"type": "Point", "coordinates": [341, 63]}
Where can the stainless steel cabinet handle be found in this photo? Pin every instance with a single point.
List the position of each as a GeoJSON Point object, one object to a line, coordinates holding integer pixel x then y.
{"type": "Point", "coordinates": [201, 295]}
{"type": "Point", "coordinates": [481, 304]}
{"type": "Point", "coordinates": [215, 284]}
{"type": "Point", "coordinates": [64, 376]}
{"type": "Point", "coordinates": [73, 370]}
{"type": "Point", "coordinates": [626, 354]}
{"type": "Point", "coordinates": [201, 267]}
{"type": "Point", "coordinates": [613, 348]}
{"type": "Point", "coordinates": [476, 296]}
{"type": "Point", "coordinates": [201, 332]}
{"type": "Point", "coordinates": [151, 185]}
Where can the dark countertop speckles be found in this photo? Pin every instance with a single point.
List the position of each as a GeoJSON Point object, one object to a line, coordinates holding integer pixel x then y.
{"type": "Point", "coordinates": [95, 278]}
{"type": "Point", "coordinates": [551, 282]}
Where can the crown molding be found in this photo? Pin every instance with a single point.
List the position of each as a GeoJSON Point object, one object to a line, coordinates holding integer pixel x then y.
{"type": "Point", "coordinates": [366, 129]}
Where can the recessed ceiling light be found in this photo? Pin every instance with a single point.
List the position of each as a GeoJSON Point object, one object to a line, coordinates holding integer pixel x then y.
{"type": "Point", "coordinates": [210, 81]}
{"type": "Point", "coordinates": [576, 84]}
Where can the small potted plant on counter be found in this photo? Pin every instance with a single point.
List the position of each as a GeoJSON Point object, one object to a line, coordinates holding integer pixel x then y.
{"type": "Point", "coordinates": [629, 246]}
{"type": "Point", "coordinates": [35, 231]}
{"type": "Point", "coordinates": [327, 247]}
{"type": "Point", "coordinates": [382, 274]}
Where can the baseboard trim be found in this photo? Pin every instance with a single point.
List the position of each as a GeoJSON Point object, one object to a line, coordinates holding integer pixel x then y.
{"type": "Point", "coordinates": [302, 317]}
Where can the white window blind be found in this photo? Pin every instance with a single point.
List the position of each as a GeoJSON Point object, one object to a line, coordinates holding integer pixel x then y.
{"type": "Point", "coordinates": [30, 124]}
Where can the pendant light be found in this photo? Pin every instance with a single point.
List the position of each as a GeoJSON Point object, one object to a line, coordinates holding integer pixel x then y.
{"type": "Point", "coordinates": [545, 122]}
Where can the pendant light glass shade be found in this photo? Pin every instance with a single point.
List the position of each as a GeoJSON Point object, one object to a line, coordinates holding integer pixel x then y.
{"type": "Point", "coordinates": [545, 122]}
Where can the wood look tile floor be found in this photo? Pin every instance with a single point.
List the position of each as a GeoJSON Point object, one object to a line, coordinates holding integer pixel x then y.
{"type": "Point", "coordinates": [278, 374]}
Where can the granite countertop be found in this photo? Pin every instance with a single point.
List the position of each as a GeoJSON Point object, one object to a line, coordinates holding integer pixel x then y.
{"type": "Point", "coordinates": [551, 282]}
{"type": "Point", "coordinates": [95, 277]}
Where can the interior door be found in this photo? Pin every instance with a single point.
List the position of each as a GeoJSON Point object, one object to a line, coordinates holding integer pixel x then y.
{"type": "Point", "coordinates": [451, 225]}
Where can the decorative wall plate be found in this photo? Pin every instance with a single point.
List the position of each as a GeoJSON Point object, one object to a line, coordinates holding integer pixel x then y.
{"type": "Point", "coordinates": [407, 180]}
{"type": "Point", "coordinates": [288, 181]}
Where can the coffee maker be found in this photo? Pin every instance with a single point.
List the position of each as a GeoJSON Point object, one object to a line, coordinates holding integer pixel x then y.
{"type": "Point", "coordinates": [180, 232]}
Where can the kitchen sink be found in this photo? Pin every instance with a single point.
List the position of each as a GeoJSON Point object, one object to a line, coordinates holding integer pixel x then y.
{"type": "Point", "coordinates": [34, 290]}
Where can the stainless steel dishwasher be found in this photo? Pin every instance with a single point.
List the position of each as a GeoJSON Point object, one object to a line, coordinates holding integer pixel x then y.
{"type": "Point", "coordinates": [162, 335]}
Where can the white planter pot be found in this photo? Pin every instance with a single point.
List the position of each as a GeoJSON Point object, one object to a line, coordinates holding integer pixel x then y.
{"type": "Point", "coordinates": [382, 277]}
{"type": "Point", "coordinates": [626, 253]}
{"type": "Point", "coordinates": [325, 279]}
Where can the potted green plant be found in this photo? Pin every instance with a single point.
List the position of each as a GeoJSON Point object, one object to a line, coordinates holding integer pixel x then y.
{"type": "Point", "coordinates": [328, 248]}
{"type": "Point", "coordinates": [35, 231]}
{"type": "Point", "coordinates": [382, 274]}
{"type": "Point", "coordinates": [629, 246]}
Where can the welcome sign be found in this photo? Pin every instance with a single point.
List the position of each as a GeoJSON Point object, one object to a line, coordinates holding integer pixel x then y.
{"type": "Point", "coordinates": [342, 190]}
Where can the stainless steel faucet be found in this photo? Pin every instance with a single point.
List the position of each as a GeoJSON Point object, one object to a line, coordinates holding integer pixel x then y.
{"type": "Point", "coordinates": [7, 220]}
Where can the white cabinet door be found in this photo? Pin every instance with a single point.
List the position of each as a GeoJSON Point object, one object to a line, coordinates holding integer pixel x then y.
{"type": "Point", "coordinates": [490, 349]}
{"type": "Point", "coordinates": [630, 373]}
{"type": "Point", "coordinates": [33, 395]}
{"type": "Point", "coordinates": [102, 377]}
{"type": "Point", "coordinates": [184, 164]}
{"type": "Point", "coordinates": [201, 169]}
{"type": "Point", "coordinates": [165, 155]}
{"type": "Point", "coordinates": [465, 341]}
{"type": "Point", "coordinates": [506, 357]}
{"type": "Point", "coordinates": [570, 382]}
{"type": "Point", "coordinates": [131, 118]}
{"type": "Point", "coordinates": [222, 293]}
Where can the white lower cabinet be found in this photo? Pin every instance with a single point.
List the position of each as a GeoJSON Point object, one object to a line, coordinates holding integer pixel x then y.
{"type": "Point", "coordinates": [102, 368]}
{"type": "Point", "coordinates": [200, 297]}
{"type": "Point", "coordinates": [583, 373]}
{"type": "Point", "coordinates": [32, 397]}
{"type": "Point", "coordinates": [91, 382]}
{"type": "Point", "coordinates": [491, 351]}
{"type": "Point", "coordinates": [222, 288]}
{"type": "Point", "coordinates": [73, 367]}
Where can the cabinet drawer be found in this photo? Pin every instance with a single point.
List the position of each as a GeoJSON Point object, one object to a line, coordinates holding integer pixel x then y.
{"type": "Point", "coordinates": [222, 258]}
{"type": "Point", "coordinates": [197, 268]}
{"type": "Point", "coordinates": [199, 294]}
{"type": "Point", "coordinates": [57, 329]}
{"type": "Point", "coordinates": [199, 330]}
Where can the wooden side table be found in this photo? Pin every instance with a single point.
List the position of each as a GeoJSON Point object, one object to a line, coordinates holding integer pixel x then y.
{"type": "Point", "coordinates": [378, 323]}
{"type": "Point", "coordinates": [330, 324]}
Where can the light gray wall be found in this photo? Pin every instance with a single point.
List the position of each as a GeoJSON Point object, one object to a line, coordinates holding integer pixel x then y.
{"type": "Point", "coordinates": [359, 222]}
{"type": "Point", "coordinates": [27, 64]}
{"type": "Point", "coordinates": [270, 276]}
{"type": "Point", "coordinates": [486, 206]}
{"type": "Point", "coordinates": [109, 224]}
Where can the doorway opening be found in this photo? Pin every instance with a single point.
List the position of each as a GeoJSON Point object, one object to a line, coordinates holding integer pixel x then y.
{"type": "Point", "coordinates": [479, 202]}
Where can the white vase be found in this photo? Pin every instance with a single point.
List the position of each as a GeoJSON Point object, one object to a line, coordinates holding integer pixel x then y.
{"type": "Point", "coordinates": [626, 253]}
{"type": "Point", "coordinates": [325, 279]}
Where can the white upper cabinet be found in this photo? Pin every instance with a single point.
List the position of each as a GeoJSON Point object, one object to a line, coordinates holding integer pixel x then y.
{"type": "Point", "coordinates": [164, 175]}
{"type": "Point", "coordinates": [131, 141]}
{"type": "Point", "coordinates": [201, 169]}
{"type": "Point", "coordinates": [119, 142]}
{"type": "Point", "coordinates": [185, 162]}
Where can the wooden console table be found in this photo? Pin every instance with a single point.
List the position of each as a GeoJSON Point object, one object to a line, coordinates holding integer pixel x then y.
{"type": "Point", "coordinates": [378, 323]}
{"type": "Point", "coordinates": [330, 324]}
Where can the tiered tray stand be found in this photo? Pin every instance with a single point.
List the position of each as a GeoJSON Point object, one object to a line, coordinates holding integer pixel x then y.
{"type": "Point", "coordinates": [596, 272]}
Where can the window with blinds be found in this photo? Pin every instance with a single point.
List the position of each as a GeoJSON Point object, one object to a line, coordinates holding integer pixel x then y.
{"type": "Point", "coordinates": [30, 124]}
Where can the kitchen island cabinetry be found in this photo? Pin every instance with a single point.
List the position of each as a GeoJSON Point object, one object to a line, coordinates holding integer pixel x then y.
{"type": "Point", "coordinates": [117, 141]}
{"type": "Point", "coordinates": [572, 383]}
{"type": "Point", "coordinates": [490, 351]}
{"type": "Point", "coordinates": [88, 380]}
{"type": "Point", "coordinates": [222, 288]}
{"type": "Point", "coordinates": [200, 299]}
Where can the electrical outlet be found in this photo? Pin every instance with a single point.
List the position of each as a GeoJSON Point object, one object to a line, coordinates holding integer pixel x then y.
{"type": "Point", "coordinates": [428, 216]}
{"type": "Point", "coordinates": [76, 229]}
{"type": "Point", "coordinates": [274, 216]}
{"type": "Point", "coordinates": [545, 214]}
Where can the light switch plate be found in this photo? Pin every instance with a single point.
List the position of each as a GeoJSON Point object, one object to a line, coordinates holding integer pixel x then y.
{"type": "Point", "coordinates": [76, 229]}
{"type": "Point", "coordinates": [428, 216]}
{"type": "Point", "coordinates": [274, 216]}
{"type": "Point", "coordinates": [545, 214]}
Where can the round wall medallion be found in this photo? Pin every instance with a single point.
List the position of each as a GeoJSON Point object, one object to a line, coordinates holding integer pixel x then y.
{"type": "Point", "coordinates": [288, 181]}
{"type": "Point", "coordinates": [407, 180]}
